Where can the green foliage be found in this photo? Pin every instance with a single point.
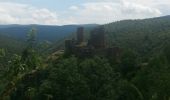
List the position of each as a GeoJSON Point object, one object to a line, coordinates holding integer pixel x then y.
{"type": "Point", "coordinates": [75, 79]}
{"type": "Point", "coordinates": [16, 67]}
{"type": "Point", "coordinates": [29, 55]}
{"type": "Point", "coordinates": [128, 66]}
{"type": "Point", "coordinates": [2, 56]}
{"type": "Point", "coordinates": [2, 53]}
{"type": "Point", "coordinates": [141, 74]}
{"type": "Point", "coordinates": [19, 66]}
{"type": "Point", "coordinates": [31, 38]}
{"type": "Point", "coordinates": [146, 37]}
{"type": "Point", "coordinates": [11, 45]}
{"type": "Point", "coordinates": [128, 91]}
{"type": "Point", "coordinates": [153, 79]}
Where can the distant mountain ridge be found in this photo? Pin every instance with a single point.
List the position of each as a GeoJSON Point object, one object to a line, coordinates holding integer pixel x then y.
{"type": "Point", "coordinates": [144, 36]}
{"type": "Point", "coordinates": [44, 32]}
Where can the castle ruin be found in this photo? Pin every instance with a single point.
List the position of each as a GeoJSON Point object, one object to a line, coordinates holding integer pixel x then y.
{"type": "Point", "coordinates": [96, 45]}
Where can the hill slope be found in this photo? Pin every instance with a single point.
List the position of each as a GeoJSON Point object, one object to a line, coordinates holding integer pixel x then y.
{"type": "Point", "coordinates": [10, 44]}
{"type": "Point", "coordinates": [146, 36]}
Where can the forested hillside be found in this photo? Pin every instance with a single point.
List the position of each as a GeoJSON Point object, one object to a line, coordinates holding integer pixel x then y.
{"type": "Point", "coordinates": [10, 44]}
{"type": "Point", "coordinates": [145, 37]}
{"type": "Point", "coordinates": [140, 72]}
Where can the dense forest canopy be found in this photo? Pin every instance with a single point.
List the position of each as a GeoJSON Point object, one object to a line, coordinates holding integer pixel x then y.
{"type": "Point", "coordinates": [141, 74]}
{"type": "Point", "coordinates": [11, 44]}
{"type": "Point", "coordinates": [146, 37]}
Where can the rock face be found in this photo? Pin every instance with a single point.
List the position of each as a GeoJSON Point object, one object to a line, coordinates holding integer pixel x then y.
{"type": "Point", "coordinates": [96, 45]}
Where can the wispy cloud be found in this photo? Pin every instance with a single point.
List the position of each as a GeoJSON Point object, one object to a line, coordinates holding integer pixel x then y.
{"type": "Point", "coordinates": [103, 12]}
{"type": "Point", "coordinates": [91, 11]}
{"type": "Point", "coordinates": [25, 14]}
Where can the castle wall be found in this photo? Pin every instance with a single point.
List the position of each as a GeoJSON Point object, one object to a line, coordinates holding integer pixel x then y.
{"type": "Point", "coordinates": [96, 45]}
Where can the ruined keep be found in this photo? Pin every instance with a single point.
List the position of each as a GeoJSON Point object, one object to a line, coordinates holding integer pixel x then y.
{"type": "Point", "coordinates": [96, 45]}
{"type": "Point", "coordinates": [80, 35]}
{"type": "Point", "coordinates": [97, 38]}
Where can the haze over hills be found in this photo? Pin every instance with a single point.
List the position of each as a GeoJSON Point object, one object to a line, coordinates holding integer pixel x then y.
{"type": "Point", "coordinates": [150, 34]}
{"type": "Point", "coordinates": [13, 37]}
{"type": "Point", "coordinates": [44, 32]}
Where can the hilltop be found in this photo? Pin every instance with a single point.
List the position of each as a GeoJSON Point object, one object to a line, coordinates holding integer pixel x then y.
{"type": "Point", "coordinates": [145, 37]}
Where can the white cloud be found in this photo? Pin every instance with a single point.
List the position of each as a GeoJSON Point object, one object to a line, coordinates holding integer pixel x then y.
{"type": "Point", "coordinates": [93, 11]}
{"type": "Point", "coordinates": [103, 12]}
{"type": "Point", "coordinates": [73, 8]}
{"type": "Point", "coordinates": [24, 14]}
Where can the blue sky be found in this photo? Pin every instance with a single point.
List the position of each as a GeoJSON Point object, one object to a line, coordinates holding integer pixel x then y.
{"type": "Point", "coordinates": [51, 4]}
{"type": "Point", "coordinates": [61, 12]}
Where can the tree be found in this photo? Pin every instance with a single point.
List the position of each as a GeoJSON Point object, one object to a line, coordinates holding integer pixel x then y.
{"type": "Point", "coordinates": [128, 65]}
{"type": "Point", "coordinates": [75, 79]}
{"type": "Point", "coordinates": [19, 66]}
{"type": "Point", "coordinates": [29, 55]}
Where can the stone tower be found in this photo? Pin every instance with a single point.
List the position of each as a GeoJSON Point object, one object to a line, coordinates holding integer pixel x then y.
{"type": "Point", "coordinates": [69, 47]}
{"type": "Point", "coordinates": [97, 39]}
{"type": "Point", "coordinates": [80, 35]}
